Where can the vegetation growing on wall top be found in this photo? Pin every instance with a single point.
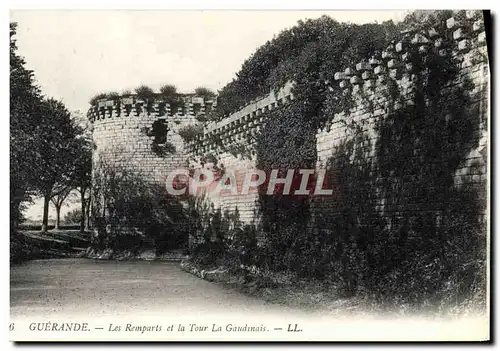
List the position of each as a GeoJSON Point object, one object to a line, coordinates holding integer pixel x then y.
{"type": "Point", "coordinates": [427, 244]}
{"type": "Point", "coordinates": [311, 48]}
{"type": "Point", "coordinates": [204, 92]}
{"type": "Point", "coordinates": [190, 133]}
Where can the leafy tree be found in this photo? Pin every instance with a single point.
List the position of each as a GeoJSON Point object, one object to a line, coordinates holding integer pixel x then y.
{"type": "Point", "coordinates": [24, 101]}
{"type": "Point", "coordinates": [81, 175]}
{"type": "Point", "coordinates": [44, 154]}
{"type": "Point", "coordinates": [54, 149]}
{"type": "Point", "coordinates": [60, 195]}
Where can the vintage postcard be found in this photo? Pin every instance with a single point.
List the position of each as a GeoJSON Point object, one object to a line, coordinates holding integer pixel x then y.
{"type": "Point", "coordinates": [249, 175]}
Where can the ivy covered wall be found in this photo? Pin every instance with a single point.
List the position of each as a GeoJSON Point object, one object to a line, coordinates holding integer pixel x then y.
{"type": "Point", "coordinates": [398, 115]}
{"type": "Point", "coordinates": [410, 157]}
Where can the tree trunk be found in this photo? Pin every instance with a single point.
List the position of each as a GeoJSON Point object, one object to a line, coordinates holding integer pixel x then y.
{"type": "Point", "coordinates": [87, 213]}
{"type": "Point", "coordinates": [58, 216]}
{"type": "Point", "coordinates": [45, 220]}
{"type": "Point", "coordinates": [82, 220]}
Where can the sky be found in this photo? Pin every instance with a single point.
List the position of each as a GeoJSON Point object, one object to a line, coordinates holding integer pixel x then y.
{"type": "Point", "coordinates": [77, 54]}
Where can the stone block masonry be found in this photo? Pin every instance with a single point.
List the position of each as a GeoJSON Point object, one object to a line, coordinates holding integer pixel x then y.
{"type": "Point", "coordinates": [366, 82]}
{"type": "Point", "coordinates": [232, 142]}
{"type": "Point", "coordinates": [120, 126]}
{"type": "Point", "coordinates": [124, 135]}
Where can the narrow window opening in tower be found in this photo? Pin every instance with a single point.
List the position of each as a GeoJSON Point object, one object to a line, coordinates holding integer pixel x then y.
{"type": "Point", "coordinates": [159, 131]}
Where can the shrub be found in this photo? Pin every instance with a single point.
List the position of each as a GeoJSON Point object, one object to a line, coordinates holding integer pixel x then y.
{"type": "Point", "coordinates": [128, 209]}
{"type": "Point", "coordinates": [144, 92]}
{"type": "Point", "coordinates": [204, 92]}
{"type": "Point", "coordinates": [113, 95]}
{"type": "Point", "coordinates": [73, 216]}
{"type": "Point", "coordinates": [167, 148]}
{"type": "Point", "coordinates": [169, 95]}
{"type": "Point", "coordinates": [191, 132]}
{"type": "Point", "coordinates": [242, 245]}
{"type": "Point", "coordinates": [126, 93]}
{"type": "Point", "coordinates": [95, 99]}
{"type": "Point", "coordinates": [160, 146]}
{"type": "Point", "coordinates": [222, 239]}
{"type": "Point", "coordinates": [168, 91]}
{"type": "Point", "coordinates": [20, 249]}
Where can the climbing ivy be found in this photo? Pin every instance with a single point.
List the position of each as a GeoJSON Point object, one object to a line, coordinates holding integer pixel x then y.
{"type": "Point", "coordinates": [403, 228]}
{"type": "Point", "coordinates": [311, 51]}
{"type": "Point", "coordinates": [160, 145]}
{"type": "Point", "coordinates": [410, 250]}
{"type": "Point", "coordinates": [191, 132]}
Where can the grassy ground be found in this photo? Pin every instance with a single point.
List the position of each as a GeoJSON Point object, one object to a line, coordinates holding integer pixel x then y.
{"type": "Point", "coordinates": [308, 294]}
{"type": "Point", "coordinates": [30, 244]}
{"type": "Point", "coordinates": [285, 289]}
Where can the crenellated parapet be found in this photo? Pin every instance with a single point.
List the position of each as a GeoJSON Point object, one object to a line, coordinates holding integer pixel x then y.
{"type": "Point", "coordinates": [242, 126]}
{"type": "Point", "coordinates": [142, 134]}
{"type": "Point", "coordinates": [124, 126]}
{"type": "Point", "coordinates": [462, 39]}
{"type": "Point", "coordinates": [402, 66]}
{"type": "Point", "coordinates": [366, 80]}
{"type": "Point", "coordinates": [188, 105]}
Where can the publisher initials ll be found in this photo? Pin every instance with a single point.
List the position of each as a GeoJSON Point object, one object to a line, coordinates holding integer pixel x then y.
{"type": "Point", "coordinates": [294, 329]}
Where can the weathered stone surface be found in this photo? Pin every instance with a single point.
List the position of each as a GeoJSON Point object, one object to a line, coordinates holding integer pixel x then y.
{"type": "Point", "coordinates": [124, 141]}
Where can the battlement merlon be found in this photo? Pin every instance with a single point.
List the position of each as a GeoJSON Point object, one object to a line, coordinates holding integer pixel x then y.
{"type": "Point", "coordinates": [371, 75]}
{"type": "Point", "coordinates": [243, 124]}
{"type": "Point", "coordinates": [188, 105]}
{"type": "Point", "coordinates": [366, 79]}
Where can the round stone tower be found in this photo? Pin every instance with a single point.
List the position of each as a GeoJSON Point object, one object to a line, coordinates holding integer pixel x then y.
{"type": "Point", "coordinates": [142, 135]}
{"type": "Point", "coordinates": [139, 136]}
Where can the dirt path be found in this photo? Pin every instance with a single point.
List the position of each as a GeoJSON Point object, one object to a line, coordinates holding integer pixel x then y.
{"type": "Point", "coordinates": [91, 287]}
